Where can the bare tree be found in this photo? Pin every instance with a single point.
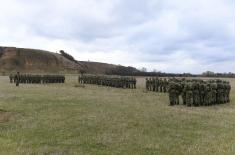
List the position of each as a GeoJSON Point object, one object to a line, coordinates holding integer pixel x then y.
{"type": "Point", "coordinates": [143, 69]}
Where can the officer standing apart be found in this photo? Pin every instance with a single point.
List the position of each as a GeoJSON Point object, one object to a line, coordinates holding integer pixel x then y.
{"type": "Point", "coordinates": [17, 79]}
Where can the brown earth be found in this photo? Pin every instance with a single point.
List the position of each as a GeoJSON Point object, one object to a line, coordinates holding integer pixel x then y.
{"type": "Point", "coordinates": [14, 59]}
{"type": "Point", "coordinates": [5, 116]}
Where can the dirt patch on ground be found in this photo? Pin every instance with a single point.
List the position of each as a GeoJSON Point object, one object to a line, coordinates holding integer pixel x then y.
{"type": "Point", "coordinates": [5, 116]}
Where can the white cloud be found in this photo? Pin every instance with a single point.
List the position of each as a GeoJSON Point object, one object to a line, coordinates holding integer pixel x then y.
{"type": "Point", "coordinates": [171, 36]}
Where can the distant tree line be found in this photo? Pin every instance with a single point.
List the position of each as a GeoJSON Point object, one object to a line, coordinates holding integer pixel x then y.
{"type": "Point", "coordinates": [122, 70]}
{"type": "Point", "coordinates": [212, 74]}
{"type": "Point", "coordinates": [162, 74]}
{"type": "Point", "coordinates": [130, 71]}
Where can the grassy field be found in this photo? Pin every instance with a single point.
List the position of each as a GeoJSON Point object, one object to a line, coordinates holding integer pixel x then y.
{"type": "Point", "coordinates": [64, 119]}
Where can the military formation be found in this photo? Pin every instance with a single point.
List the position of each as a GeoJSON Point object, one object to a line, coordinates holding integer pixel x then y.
{"type": "Point", "coordinates": [197, 92]}
{"type": "Point", "coordinates": [35, 79]}
{"type": "Point", "coordinates": [157, 84]}
{"type": "Point", "coordinates": [194, 92]}
{"type": "Point", "coordinates": [117, 82]}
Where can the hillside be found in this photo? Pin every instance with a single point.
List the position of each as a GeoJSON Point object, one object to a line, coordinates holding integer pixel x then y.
{"type": "Point", "coordinates": [14, 59]}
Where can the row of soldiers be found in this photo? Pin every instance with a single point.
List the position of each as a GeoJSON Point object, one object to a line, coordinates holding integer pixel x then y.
{"type": "Point", "coordinates": [198, 92]}
{"type": "Point", "coordinates": [117, 82]}
{"type": "Point", "coordinates": [36, 79]}
{"type": "Point", "coordinates": [157, 84]}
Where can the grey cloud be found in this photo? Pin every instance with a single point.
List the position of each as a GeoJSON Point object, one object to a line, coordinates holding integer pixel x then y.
{"type": "Point", "coordinates": [196, 34]}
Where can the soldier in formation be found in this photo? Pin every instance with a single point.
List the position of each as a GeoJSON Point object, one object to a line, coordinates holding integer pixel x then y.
{"type": "Point", "coordinates": [198, 92]}
{"type": "Point", "coordinates": [17, 79]}
{"type": "Point", "coordinates": [36, 79]}
{"type": "Point", "coordinates": [11, 77]}
{"type": "Point", "coordinates": [157, 84]}
{"type": "Point", "coordinates": [117, 82]}
{"type": "Point", "coordinates": [174, 92]}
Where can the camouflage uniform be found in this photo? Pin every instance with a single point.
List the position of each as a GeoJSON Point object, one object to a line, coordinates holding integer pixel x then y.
{"type": "Point", "coordinates": [11, 78]}
{"type": "Point", "coordinates": [202, 93]}
{"type": "Point", "coordinates": [208, 95]}
{"type": "Point", "coordinates": [147, 84]}
{"type": "Point", "coordinates": [183, 92]}
{"type": "Point", "coordinates": [172, 93]}
{"type": "Point", "coordinates": [165, 83]}
{"type": "Point", "coordinates": [189, 95]}
{"type": "Point", "coordinates": [214, 93]}
{"type": "Point", "coordinates": [17, 79]}
{"type": "Point", "coordinates": [196, 94]}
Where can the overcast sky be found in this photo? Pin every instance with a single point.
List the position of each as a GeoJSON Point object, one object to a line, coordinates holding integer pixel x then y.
{"type": "Point", "coordinates": [166, 35]}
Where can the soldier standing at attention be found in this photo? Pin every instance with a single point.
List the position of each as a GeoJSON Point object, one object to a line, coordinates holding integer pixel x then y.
{"type": "Point", "coordinates": [150, 84]}
{"type": "Point", "coordinates": [153, 84]}
{"type": "Point", "coordinates": [189, 95]}
{"type": "Point", "coordinates": [219, 92]}
{"type": "Point", "coordinates": [208, 96]}
{"type": "Point", "coordinates": [135, 82]}
{"type": "Point", "coordinates": [224, 100]}
{"type": "Point", "coordinates": [178, 92]}
{"type": "Point", "coordinates": [196, 94]}
{"type": "Point", "coordinates": [11, 78]}
{"type": "Point", "coordinates": [147, 84]}
{"type": "Point", "coordinates": [172, 93]}
{"type": "Point", "coordinates": [165, 85]}
{"type": "Point", "coordinates": [183, 93]}
{"type": "Point", "coordinates": [228, 91]}
{"type": "Point", "coordinates": [17, 79]}
{"type": "Point", "coordinates": [202, 92]}
{"type": "Point", "coordinates": [156, 84]}
{"type": "Point", "coordinates": [214, 93]}
{"type": "Point", "coordinates": [161, 85]}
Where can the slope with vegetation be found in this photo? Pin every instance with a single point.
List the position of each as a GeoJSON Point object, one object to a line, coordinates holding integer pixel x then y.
{"type": "Point", "coordinates": [14, 59]}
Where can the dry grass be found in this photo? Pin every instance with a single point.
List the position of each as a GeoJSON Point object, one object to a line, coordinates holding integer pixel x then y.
{"type": "Point", "coordinates": [57, 119]}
